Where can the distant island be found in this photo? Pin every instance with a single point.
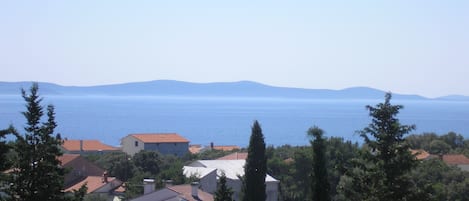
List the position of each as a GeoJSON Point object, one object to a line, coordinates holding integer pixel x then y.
{"type": "Point", "coordinates": [244, 89]}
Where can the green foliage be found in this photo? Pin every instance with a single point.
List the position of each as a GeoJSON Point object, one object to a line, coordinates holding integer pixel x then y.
{"type": "Point", "coordinates": [133, 187]}
{"type": "Point", "coordinates": [211, 154]}
{"type": "Point", "coordinates": [438, 147]}
{"type": "Point", "coordinates": [4, 149]}
{"type": "Point", "coordinates": [123, 169]}
{"type": "Point", "coordinates": [340, 154]}
{"type": "Point", "coordinates": [255, 169]}
{"type": "Point", "coordinates": [147, 161]}
{"type": "Point", "coordinates": [118, 164]}
{"type": "Point", "coordinates": [440, 144]}
{"type": "Point", "coordinates": [172, 170]}
{"type": "Point", "coordinates": [293, 166]}
{"type": "Point", "coordinates": [5, 162]}
{"type": "Point", "coordinates": [441, 182]}
{"type": "Point", "coordinates": [421, 141]}
{"type": "Point", "coordinates": [37, 173]}
{"type": "Point", "coordinates": [95, 197]}
{"type": "Point", "coordinates": [321, 186]}
{"type": "Point", "coordinates": [223, 192]}
{"type": "Point", "coordinates": [78, 195]}
{"type": "Point", "coordinates": [389, 159]}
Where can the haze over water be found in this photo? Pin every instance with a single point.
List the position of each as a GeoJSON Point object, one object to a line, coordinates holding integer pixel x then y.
{"type": "Point", "coordinates": [227, 121]}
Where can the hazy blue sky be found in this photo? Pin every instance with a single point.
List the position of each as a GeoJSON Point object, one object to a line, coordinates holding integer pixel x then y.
{"type": "Point", "coordinates": [403, 46]}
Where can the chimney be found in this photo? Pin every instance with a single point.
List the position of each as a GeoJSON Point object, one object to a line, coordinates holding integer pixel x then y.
{"type": "Point", "coordinates": [81, 145]}
{"type": "Point", "coordinates": [105, 177]}
{"type": "Point", "coordinates": [148, 186]}
{"type": "Point", "coordinates": [211, 145]}
{"type": "Point", "coordinates": [195, 189]}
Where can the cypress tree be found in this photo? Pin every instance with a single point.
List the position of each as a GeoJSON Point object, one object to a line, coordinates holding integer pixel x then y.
{"type": "Point", "coordinates": [256, 167]}
{"type": "Point", "coordinates": [223, 192]}
{"type": "Point", "coordinates": [321, 186]}
{"type": "Point", "coordinates": [37, 174]}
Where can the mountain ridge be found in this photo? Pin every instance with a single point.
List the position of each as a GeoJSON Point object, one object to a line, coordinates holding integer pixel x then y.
{"type": "Point", "coordinates": [214, 89]}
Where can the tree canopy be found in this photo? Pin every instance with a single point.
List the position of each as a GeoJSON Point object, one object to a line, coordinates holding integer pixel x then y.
{"type": "Point", "coordinates": [37, 171]}
{"type": "Point", "coordinates": [255, 169]}
{"type": "Point", "coordinates": [321, 186]}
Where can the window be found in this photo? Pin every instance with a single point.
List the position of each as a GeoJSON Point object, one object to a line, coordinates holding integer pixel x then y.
{"type": "Point", "coordinates": [136, 143]}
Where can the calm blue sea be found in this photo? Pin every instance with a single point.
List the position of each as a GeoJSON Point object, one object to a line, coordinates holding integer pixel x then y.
{"type": "Point", "coordinates": [227, 121]}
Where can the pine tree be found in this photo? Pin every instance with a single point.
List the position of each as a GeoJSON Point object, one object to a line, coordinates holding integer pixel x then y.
{"type": "Point", "coordinates": [390, 155]}
{"type": "Point", "coordinates": [4, 148]}
{"type": "Point", "coordinates": [37, 173]}
{"type": "Point", "coordinates": [223, 193]}
{"type": "Point", "coordinates": [5, 162]}
{"type": "Point", "coordinates": [321, 186]}
{"type": "Point", "coordinates": [256, 167]}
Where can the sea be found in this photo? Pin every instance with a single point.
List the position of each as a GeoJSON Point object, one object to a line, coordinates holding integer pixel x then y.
{"type": "Point", "coordinates": [228, 120]}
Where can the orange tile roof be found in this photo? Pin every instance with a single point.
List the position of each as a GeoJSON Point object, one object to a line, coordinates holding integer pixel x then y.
{"type": "Point", "coordinates": [289, 161]}
{"type": "Point", "coordinates": [455, 159]}
{"type": "Point", "coordinates": [88, 145]}
{"type": "Point", "coordinates": [234, 156]}
{"type": "Point", "coordinates": [159, 137]}
{"type": "Point", "coordinates": [66, 158]}
{"type": "Point", "coordinates": [92, 182]}
{"type": "Point", "coordinates": [420, 154]}
{"type": "Point", "coordinates": [226, 148]}
{"type": "Point", "coordinates": [195, 148]}
{"type": "Point", "coordinates": [185, 192]}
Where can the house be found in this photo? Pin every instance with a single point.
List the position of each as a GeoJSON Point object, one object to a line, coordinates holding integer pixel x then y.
{"type": "Point", "coordinates": [101, 186]}
{"type": "Point", "coordinates": [86, 147]}
{"type": "Point", "coordinates": [458, 160]}
{"type": "Point", "coordinates": [78, 168]}
{"type": "Point", "coordinates": [164, 143]}
{"type": "Point", "coordinates": [233, 170]}
{"type": "Point", "coordinates": [81, 172]}
{"type": "Point", "coordinates": [187, 192]}
{"type": "Point", "coordinates": [205, 176]}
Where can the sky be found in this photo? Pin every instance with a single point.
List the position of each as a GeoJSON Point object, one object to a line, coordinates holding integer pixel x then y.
{"type": "Point", "coordinates": [403, 46]}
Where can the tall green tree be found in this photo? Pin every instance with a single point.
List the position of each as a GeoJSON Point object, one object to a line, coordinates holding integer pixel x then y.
{"type": "Point", "coordinates": [223, 193]}
{"type": "Point", "coordinates": [5, 161]}
{"type": "Point", "coordinates": [388, 151]}
{"type": "Point", "coordinates": [321, 186]}
{"type": "Point", "coordinates": [255, 168]}
{"type": "Point", "coordinates": [147, 161]}
{"type": "Point", "coordinates": [4, 148]}
{"type": "Point", "coordinates": [37, 172]}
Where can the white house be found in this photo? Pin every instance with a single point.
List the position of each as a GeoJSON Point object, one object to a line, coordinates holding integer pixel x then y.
{"type": "Point", "coordinates": [233, 169]}
{"type": "Point", "coordinates": [164, 143]}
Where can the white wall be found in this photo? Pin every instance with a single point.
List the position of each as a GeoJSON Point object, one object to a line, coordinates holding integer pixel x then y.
{"type": "Point", "coordinates": [128, 145]}
{"type": "Point", "coordinates": [208, 183]}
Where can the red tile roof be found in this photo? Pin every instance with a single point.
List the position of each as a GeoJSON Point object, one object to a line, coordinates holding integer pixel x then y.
{"type": "Point", "coordinates": [234, 156]}
{"type": "Point", "coordinates": [185, 192]}
{"type": "Point", "coordinates": [88, 145]}
{"type": "Point", "coordinates": [66, 158]}
{"type": "Point", "coordinates": [79, 168]}
{"type": "Point", "coordinates": [92, 182]}
{"type": "Point", "coordinates": [420, 154]}
{"type": "Point", "coordinates": [455, 159]}
{"type": "Point", "coordinates": [226, 147]}
{"type": "Point", "coordinates": [160, 137]}
{"type": "Point", "coordinates": [194, 149]}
